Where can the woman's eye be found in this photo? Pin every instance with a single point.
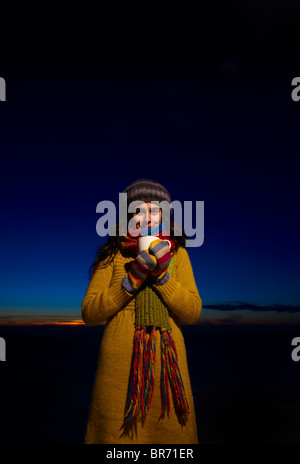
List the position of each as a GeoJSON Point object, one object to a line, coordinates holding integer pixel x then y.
{"type": "Point", "coordinates": [140, 212]}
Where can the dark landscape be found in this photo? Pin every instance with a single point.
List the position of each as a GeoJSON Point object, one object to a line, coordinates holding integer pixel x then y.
{"type": "Point", "coordinates": [245, 383]}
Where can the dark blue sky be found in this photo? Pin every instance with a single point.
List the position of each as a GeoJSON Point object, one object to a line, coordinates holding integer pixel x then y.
{"type": "Point", "coordinates": [88, 108]}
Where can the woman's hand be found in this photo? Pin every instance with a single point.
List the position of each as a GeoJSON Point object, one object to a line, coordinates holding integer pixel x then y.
{"type": "Point", "coordinates": [161, 251]}
{"type": "Point", "coordinates": [139, 270]}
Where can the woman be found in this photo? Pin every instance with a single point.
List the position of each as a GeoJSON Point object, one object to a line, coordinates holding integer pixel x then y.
{"type": "Point", "coordinates": [142, 392]}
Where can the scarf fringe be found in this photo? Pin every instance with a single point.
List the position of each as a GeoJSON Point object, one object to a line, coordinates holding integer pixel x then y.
{"type": "Point", "coordinates": [171, 376]}
{"type": "Point", "coordinates": [141, 384]}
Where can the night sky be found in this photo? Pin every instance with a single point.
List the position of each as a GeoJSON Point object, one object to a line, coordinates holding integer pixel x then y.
{"type": "Point", "coordinates": [199, 100]}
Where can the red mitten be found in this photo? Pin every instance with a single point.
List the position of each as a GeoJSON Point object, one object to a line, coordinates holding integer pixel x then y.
{"type": "Point", "coordinates": [139, 270]}
{"type": "Point", "coordinates": [161, 251]}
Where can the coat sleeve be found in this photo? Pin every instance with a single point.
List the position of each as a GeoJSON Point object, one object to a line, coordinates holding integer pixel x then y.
{"type": "Point", "coordinates": [103, 299]}
{"type": "Point", "coordinates": [181, 295]}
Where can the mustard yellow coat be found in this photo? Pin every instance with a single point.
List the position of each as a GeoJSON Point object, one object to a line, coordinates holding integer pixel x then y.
{"type": "Point", "coordinates": [106, 300]}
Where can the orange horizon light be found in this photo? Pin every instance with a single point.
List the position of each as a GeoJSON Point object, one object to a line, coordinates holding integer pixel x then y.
{"type": "Point", "coordinates": [34, 322]}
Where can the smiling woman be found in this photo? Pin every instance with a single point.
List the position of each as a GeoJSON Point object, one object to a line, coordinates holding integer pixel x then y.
{"type": "Point", "coordinates": [147, 216]}
{"type": "Point", "coordinates": [142, 391]}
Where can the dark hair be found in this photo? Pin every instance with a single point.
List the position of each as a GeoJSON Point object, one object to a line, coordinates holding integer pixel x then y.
{"type": "Point", "coordinates": [106, 253]}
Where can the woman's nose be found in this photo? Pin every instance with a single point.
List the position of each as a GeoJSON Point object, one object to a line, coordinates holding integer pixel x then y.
{"type": "Point", "coordinates": [147, 218]}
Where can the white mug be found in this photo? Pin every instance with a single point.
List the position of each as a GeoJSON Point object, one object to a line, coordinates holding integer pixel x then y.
{"type": "Point", "coordinates": [144, 242]}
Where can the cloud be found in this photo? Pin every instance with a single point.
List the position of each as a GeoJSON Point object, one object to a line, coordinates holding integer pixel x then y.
{"type": "Point", "coordinates": [240, 305]}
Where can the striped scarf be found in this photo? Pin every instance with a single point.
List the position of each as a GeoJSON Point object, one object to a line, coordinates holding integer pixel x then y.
{"type": "Point", "coordinates": [152, 322]}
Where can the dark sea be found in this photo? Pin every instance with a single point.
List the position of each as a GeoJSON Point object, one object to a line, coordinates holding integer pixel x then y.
{"type": "Point", "coordinates": [245, 383]}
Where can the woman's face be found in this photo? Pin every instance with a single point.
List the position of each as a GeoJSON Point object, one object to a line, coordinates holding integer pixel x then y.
{"type": "Point", "coordinates": [147, 216]}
